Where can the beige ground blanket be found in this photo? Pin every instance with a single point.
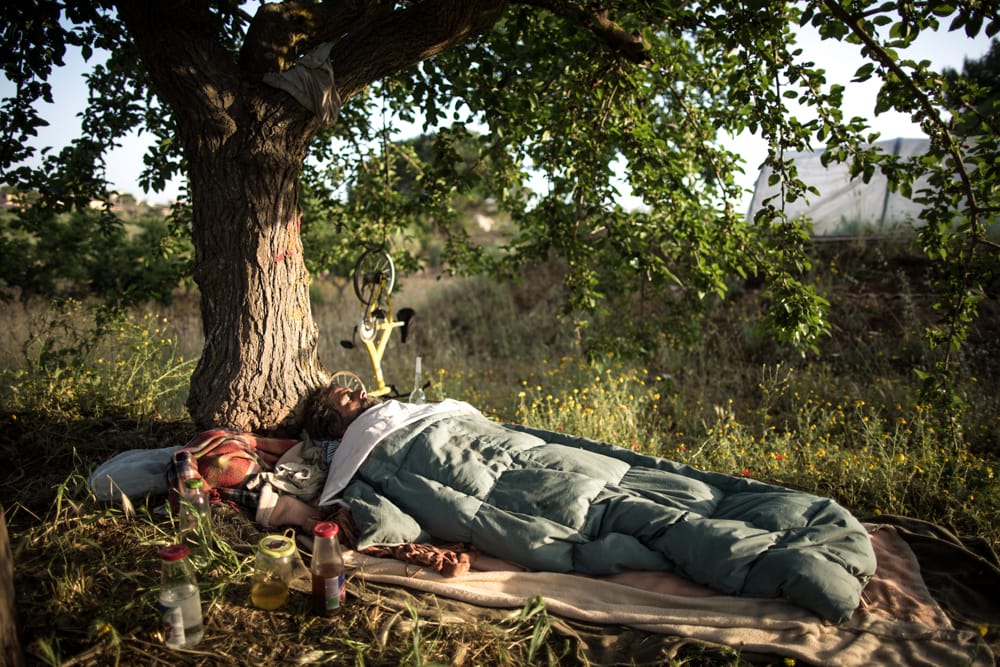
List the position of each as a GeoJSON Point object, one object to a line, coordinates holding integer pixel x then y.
{"type": "Point", "coordinates": [897, 623]}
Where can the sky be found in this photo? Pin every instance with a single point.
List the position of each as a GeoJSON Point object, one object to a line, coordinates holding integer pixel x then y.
{"type": "Point", "coordinates": [944, 49]}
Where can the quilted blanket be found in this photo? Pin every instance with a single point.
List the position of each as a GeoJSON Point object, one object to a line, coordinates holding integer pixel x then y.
{"type": "Point", "coordinates": [560, 503]}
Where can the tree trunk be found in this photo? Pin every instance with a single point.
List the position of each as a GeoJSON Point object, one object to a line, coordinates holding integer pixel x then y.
{"type": "Point", "coordinates": [10, 647]}
{"type": "Point", "coordinates": [259, 362]}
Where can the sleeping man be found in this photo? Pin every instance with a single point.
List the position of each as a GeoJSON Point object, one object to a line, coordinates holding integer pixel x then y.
{"type": "Point", "coordinates": [554, 502]}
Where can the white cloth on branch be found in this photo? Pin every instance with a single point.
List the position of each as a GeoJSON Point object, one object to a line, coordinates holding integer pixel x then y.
{"type": "Point", "coordinates": [310, 82]}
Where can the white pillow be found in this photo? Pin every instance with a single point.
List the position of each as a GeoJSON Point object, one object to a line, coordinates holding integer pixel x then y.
{"type": "Point", "coordinates": [134, 473]}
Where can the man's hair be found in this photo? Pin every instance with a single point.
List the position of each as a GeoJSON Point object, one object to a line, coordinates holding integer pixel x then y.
{"type": "Point", "coordinates": [323, 420]}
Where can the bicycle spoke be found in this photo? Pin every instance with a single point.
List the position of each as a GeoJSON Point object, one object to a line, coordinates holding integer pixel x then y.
{"type": "Point", "coordinates": [347, 379]}
{"type": "Point", "coordinates": [374, 276]}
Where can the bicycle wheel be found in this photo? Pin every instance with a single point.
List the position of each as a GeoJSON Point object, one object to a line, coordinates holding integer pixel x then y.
{"type": "Point", "coordinates": [373, 269]}
{"type": "Point", "coordinates": [347, 379]}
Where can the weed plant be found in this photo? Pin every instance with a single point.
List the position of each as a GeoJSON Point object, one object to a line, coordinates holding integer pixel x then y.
{"type": "Point", "coordinates": [86, 384]}
{"type": "Point", "coordinates": [87, 362]}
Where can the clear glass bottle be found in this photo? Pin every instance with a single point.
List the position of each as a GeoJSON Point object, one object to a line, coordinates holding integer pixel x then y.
{"type": "Point", "coordinates": [180, 599]}
{"type": "Point", "coordinates": [327, 568]}
{"type": "Point", "coordinates": [272, 571]}
{"type": "Point", "coordinates": [196, 515]}
{"type": "Point", "coordinates": [417, 395]}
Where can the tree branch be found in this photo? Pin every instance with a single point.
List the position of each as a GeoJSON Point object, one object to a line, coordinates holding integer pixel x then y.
{"type": "Point", "coordinates": [631, 45]}
{"type": "Point", "coordinates": [280, 32]}
{"type": "Point", "coordinates": [992, 245]}
{"type": "Point", "coordinates": [189, 67]}
{"type": "Point", "coordinates": [388, 43]}
{"type": "Point", "coordinates": [925, 103]}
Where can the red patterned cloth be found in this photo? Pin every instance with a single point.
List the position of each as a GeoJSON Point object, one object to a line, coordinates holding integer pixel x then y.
{"type": "Point", "coordinates": [225, 460]}
{"type": "Point", "coordinates": [450, 560]}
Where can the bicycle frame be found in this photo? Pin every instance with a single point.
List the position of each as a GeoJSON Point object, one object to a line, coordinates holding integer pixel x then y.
{"type": "Point", "coordinates": [374, 332]}
{"type": "Point", "coordinates": [374, 277]}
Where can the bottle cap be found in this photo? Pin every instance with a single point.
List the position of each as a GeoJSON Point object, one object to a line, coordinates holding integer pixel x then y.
{"type": "Point", "coordinates": [194, 483]}
{"type": "Point", "coordinates": [326, 529]}
{"type": "Point", "coordinates": [276, 546]}
{"type": "Point", "coordinates": [174, 552]}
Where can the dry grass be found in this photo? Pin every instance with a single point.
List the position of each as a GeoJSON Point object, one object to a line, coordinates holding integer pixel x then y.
{"type": "Point", "coordinates": [842, 424]}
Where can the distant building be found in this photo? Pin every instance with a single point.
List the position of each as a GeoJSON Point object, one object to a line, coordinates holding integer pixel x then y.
{"type": "Point", "coordinates": [846, 206]}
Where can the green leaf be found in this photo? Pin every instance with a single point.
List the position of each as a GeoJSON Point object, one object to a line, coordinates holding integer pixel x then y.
{"type": "Point", "coordinates": [864, 72]}
{"type": "Point", "coordinates": [973, 25]}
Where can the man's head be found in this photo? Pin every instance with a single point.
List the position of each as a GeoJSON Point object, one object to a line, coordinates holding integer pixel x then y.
{"type": "Point", "coordinates": [333, 408]}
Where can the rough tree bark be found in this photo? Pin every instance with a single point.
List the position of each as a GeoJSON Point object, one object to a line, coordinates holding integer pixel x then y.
{"type": "Point", "coordinates": [260, 354]}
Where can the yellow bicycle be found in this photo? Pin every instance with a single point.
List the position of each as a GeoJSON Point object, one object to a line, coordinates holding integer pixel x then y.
{"type": "Point", "coordinates": [374, 278]}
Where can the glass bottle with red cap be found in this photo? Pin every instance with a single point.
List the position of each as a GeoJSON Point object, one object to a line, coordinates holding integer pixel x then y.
{"type": "Point", "coordinates": [327, 570]}
{"type": "Point", "coordinates": [196, 516]}
{"type": "Point", "coordinates": [180, 600]}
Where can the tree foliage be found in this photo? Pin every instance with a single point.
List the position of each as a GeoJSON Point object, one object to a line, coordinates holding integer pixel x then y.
{"type": "Point", "coordinates": [980, 77]}
{"type": "Point", "coordinates": [586, 99]}
{"type": "Point", "coordinates": [123, 257]}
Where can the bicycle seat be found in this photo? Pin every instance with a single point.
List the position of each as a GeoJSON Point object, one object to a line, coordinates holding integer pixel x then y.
{"type": "Point", "coordinates": [349, 344]}
{"type": "Point", "coordinates": [404, 315]}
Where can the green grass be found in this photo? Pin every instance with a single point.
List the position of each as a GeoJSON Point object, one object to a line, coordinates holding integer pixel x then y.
{"type": "Point", "coordinates": [79, 388]}
{"type": "Point", "coordinates": [873, 459]}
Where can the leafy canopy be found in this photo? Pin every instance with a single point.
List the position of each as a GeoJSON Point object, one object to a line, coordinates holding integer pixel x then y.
{"type": "Point", "coordinates": [584, 100]}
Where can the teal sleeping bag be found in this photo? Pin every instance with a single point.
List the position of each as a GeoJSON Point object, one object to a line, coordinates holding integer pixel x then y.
{"type": "Point", "coordinates": [560, 503]}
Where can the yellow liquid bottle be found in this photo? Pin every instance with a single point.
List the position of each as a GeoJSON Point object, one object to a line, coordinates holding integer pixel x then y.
{"type": "Point", "coordinates": [268, 595]}
{"type": "Point", "coordinates": [272, 572]}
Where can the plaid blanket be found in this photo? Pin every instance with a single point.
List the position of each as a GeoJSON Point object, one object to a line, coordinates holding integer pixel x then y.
{"type": "Point", "coordinates": [228, 462]}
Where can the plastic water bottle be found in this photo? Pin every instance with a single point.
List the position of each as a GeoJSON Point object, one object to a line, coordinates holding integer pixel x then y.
{"type": "Point", "coordinates": [180, 600]}
{"type": "Point", "coordinates": [196, 515]}
{"type": "Point", "coordinates": [417, 395]}
{"type": "Point", "coordinates": [328, 592]}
